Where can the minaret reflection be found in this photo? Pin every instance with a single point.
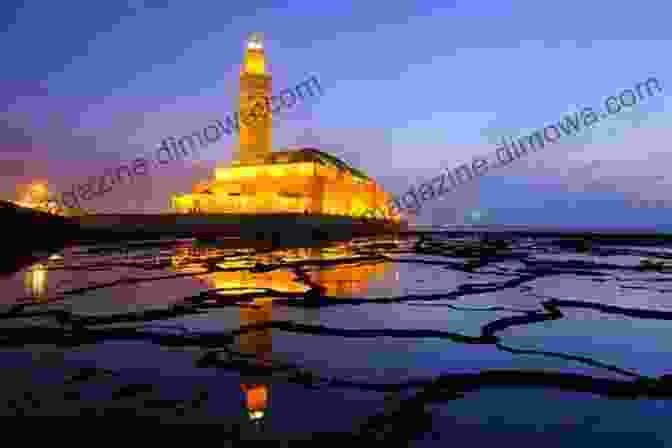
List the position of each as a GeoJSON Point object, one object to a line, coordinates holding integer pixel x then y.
{"type": "Point", "coordinates": [256, 400]}
{"type": "Point", "coordinates": [260, 344]}
{"type": "Point", "coordinates": [351, 278]}
{"type": "Point", "coordinates": [35, 281]}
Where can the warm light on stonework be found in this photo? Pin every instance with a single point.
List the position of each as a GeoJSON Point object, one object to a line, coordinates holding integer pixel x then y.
{"type": "Point", "coordinates": [260, 181]}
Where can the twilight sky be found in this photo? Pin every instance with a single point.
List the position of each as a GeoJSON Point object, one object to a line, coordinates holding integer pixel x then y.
{"type": "Point", "coordinates": [409, 88]}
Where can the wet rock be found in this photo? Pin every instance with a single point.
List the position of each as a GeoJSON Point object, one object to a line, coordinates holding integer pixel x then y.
{"type": "Point", "coordinates": [71, 395]}
{"type": "Point", "coordinates": [131, 390]}
{"type": "Point", "coordinates": [87, 373]}
{"type": "Point", "coordinates": [315, 296]}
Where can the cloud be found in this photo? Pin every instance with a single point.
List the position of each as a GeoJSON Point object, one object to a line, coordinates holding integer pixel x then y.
{"type": "Point", "coordinates": [13, 139]}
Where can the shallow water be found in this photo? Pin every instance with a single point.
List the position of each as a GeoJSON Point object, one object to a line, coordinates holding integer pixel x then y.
{"type": "Point", "coordinates": [370, 339]}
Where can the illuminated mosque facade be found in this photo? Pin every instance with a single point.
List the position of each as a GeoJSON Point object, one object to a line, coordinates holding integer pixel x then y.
{"type": "Point", "coordinates": [262, 181]}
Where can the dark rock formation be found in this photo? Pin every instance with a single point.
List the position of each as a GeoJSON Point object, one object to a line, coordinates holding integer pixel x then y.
{"type": "Point", "coordinates": [28, 231]}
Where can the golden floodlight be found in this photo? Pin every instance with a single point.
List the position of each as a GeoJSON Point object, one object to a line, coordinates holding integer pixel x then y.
{"type": "Point", "coordinates": [255, 60]}
{"type": "Point", "coordinates": [259, 180]}
{"type": "Point", "coordinates": [255, 41]}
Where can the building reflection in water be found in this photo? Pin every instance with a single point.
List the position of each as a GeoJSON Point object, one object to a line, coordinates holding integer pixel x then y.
{"type": "Point", "coordinates": [347, 279]}
{"type": "Point", "coordinates": [256, 400]}
{"type": "Point", "coordinates": [35, 281]}
{"type": "Point", "coordinates": [260, 344]}
{"type": "Point", "coordinates": [350, 278]}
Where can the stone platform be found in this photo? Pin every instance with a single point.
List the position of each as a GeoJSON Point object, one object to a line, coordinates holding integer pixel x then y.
{"type": "Point", "coordinates": [278, 227]}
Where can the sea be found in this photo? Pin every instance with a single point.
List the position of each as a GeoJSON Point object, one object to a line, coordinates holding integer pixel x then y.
{"type": "Point", "coordinates": [426, 339]}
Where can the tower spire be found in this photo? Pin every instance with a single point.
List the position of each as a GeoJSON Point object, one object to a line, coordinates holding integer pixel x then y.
{"type": "Point", "coordinates": [255, 59]}
{"type": "Point", "coordinates": [255, 95]}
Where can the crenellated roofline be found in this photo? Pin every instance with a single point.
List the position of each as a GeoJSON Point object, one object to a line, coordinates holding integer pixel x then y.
{"type": "Point", "coordinates": [314, 155]}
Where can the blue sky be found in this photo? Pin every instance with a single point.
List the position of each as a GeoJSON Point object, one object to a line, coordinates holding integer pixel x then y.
{"type": "Point", "coordinates": [409, 88]}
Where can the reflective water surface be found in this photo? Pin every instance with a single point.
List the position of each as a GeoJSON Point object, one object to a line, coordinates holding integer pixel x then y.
{"type": "Point", "coordinates": [416, 339]}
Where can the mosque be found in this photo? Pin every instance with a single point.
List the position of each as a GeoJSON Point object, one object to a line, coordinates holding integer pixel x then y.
{"type": "Point", "coordinates": [304, 181]}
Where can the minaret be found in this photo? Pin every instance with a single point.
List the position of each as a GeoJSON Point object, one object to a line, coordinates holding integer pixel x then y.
{"type": "Point", "coordinates": [255, 99]}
